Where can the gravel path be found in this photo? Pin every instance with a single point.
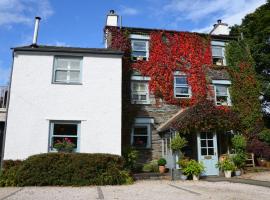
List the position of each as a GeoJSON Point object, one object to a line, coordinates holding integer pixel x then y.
{"type": "Point", "coordinates": [261, 176]}
{"type": "Point", "coordinates": [142, 190]}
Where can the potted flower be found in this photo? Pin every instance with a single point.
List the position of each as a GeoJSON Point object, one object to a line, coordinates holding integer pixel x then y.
{"type": "Point", "coordinates": [183, 165]}
{"type": "Point", "coordinates": [239, 145]}
{"type": "Point", "coordinates": [64, 146]}
{"type": "Point", "coordinates": [227, 166]}
{"type": "Point", "coordinates": [161, 165]}
{"type": "Point", "coordinates": [194, 168]}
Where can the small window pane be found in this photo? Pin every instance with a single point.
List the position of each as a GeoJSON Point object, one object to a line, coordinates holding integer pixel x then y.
{"type": "Point", "coordinates": [140, 141]}
{"type": "Point", "coordinates": [61, 63]}
{"type": "Point", "coordinates": [217, 51]}
{"type": "Point", "coordinates": [203, 135]}
{"type": "Point", "coordinates": [210, 143]}
{"type": "Point", "coordinates": [181, 90]}
{"type": "Point", "coordinates": [74, 76]}
{"type": "Point", "coordinates": [209, 135]}
{"type": "Point", "coordinates": [203, 151]}
{"type": "Point", "coordinates": [203, 143]}
{"type": "Point", "coordinates": [221, 90]}
{"type": "Point", "coordinates": [61, 75]}
{"type": "Point", "coordinates": [75, 64]}
{"type": "Point", "coordinates": [139, 53]}
{"type": "Point", "coordinates": [140, 130]}
{"type": "Point", "coordinates": [211, 151]}
{"type": "Point", "coordinates": [65, 129]}
{"type": "Point", "coordinates": [181, 80]}
{"type": "Point", "coordinates": [139, 45]}
{"type": "Point", "coordinates": [135, 97]}
{"type": "Point", "coordinates": [143, 97]}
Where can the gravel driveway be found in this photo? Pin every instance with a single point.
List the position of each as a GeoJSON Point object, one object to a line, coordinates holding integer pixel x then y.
{"type": "Point", "coordinates": [142, 190]}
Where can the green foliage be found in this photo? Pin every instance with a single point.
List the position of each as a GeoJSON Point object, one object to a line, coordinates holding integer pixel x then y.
{"type": "Point", "coordinates": [130, 156]}
{"type": "Point", "coordinates": [245, 88]}
{"type": "Point", "coordinates": [183, 163]}
{"type": "Point", "coordinates": [70, 169]}
{"type": "Point", "coordinates": [8, 176]}
{"type": "Point", "coordinates": [265, 136]}
{"type": "Point", "coordinates": [226, 165]}
{"type": "Point", "coordinates": [178, 143]}
{"type": "Point", "coordinates": [64, 145]}
{"type": "Point", "coordinates": [162, 162]}
{"type": "Point", "coordinates": [152, 166]}
{"type": "Point", "coordinates": [193, 168]}
{"type": "Point", "coordinates": [239, 160]}
{"type": "Point", "coordinates": [239, 143]}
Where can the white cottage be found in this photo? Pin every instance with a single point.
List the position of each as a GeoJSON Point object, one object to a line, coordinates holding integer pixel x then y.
{"type": "Point", "coordinates": [64, 92]}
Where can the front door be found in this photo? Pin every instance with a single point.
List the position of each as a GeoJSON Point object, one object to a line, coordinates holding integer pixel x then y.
{"type": "Point", "coordinates": [207, 152]}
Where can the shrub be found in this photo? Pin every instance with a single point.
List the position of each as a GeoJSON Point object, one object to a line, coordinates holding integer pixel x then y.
{"type": "Point", "coordinates": [178, 143]}
{"type": "Point", "coordinates": [239, 143]}
{"type": "Point", "coordinates": [152, 166]}
{"type": "Point", "coordinates": [226, 165]}
{"type": "Point", "coordinates": [239, 160]}
{"type": "Point", "coordinates": [8, 175]}
{"type": "Point", "coordinates": [193, 168]}
{"type": "Point", "coordinates": [130, 156]}
{"type": "Point", "coordinates": [70, 169]}
{"type": "Point", "coordinates": [259, 148]}
{"type": "Point", "coordinates": [265, 136]}
{"type": "Point", "coordinates": [183, 163]}
{"type": "Point", "coordinates": [162, 162]}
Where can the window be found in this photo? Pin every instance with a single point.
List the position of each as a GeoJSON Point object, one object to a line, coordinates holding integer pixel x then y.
{"type": "Point", "coordinates": [181, 87]}
{"type": "Point", "coordinates": [218, 53]}
{"type": "Point", "coordinates": [141, 135]}
{"type": "Point", "coordinates": [140, 47]}
{"type": "Point", "coordinates": [67, 70]}
{"type": "Point", "coordinates": [139, 92]}
{"type": "Point", "coordinates": [64, 129]}
{"type": "Point", "coordinates": [222, 95]}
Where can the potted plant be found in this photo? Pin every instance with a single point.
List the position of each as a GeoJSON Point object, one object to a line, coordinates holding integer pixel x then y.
{"type": "Point", "coordinates": [227, 166]}
{"type": "Point", "coordinates": [183, 165]}
{"type": "Point", "coordinates": [194, 168]}
{"type": "Point", "coordinates": [161, 165]}
{"type": "Point", "coordinates": [65, 145]}
{"type": "Point", "coordinates": [239, 161]}
{"type": "Point", "coordinates": [239, 158]}
{"type": "Point", "coordinates": [177, 144]}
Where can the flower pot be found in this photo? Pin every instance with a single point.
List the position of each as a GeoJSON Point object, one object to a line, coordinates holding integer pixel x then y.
{"type": "Point", "coordinates": [238, 172]}
{"type": "Point", "coordinates": [161, 169]}
{"type": "Point", "coordinates": [183, 177]}
{"type": "Point", "coordinates": [195, 177]}
{"type": "Point", "coordinates": [262, 162]}
{"type": "Point", "coordinates": [228, 174]}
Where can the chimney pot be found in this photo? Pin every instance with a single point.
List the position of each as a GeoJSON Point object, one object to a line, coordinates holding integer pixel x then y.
{"type": "Point", "coordinates": [35, 36]}
{"type": "Point", "coordinates": [112, 12]}
{"type": "Point", "coordinates": [112, 18]}
{"type": "Point", "coordinates": [219, 21]}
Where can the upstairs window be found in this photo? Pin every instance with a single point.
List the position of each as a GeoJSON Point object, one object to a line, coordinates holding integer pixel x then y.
{"type": "Point", "coordinates": [140, 47]}
{"type": "Point", "coordinates": [222, 95]}
{"type": "Point", "coordinates": [218, 53]}
{"type": "Point", "coordinates": [139, 92]}
{"type": "Point", "coordinates": [181, 87]}
{"type": "Point", "coordinates": [67, 70]}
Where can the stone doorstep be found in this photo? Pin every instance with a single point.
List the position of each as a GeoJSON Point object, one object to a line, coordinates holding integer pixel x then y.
{"type": "Point", "coordinates": [152, 176]}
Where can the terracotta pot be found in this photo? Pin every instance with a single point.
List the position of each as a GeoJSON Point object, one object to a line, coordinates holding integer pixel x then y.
{"type": "Point", "coordinates": [268, 164]}
{"type": "Point", "coordinates": [162, 169]}
{"type": "Point", "coordinates": [262, 162]}
{"type": "Point", "coordinates": [195, 177]}
{"type": "Point", "coordinates": [228, 174]}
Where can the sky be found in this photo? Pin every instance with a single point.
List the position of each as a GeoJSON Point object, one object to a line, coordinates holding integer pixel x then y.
{"type": "Point", "coordinates": [80, 23]}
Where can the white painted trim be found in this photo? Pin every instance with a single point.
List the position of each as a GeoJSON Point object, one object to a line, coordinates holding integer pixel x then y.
{"type": "Point", "coordinates": [222, 82]}
{"type": "Point", "coordinates": [140, 78]}
{"type": "Point", "coordinates": [218, 43]}
{"type": "Point", "coordinates": [140, 37]}
{"type": "Point", "coordinates": [177, 73]}
{"type": "Point", "coordinates": [141, 120]}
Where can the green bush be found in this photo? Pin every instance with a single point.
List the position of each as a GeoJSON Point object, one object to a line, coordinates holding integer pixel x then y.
{"type": "Point", "coordinates": [162, 162]}
{"type": "Point", "coordinates": [130, 156]}
{"type": "Point", "coordinates": [178, 143]}
{"type": "Point", "coordinates": [239, 160]}
{"type": "Point", "coordinates": [239, 143]}
{"type": "Point", "coordinates": [265, 136]}
{"type": "Point", "coordinates": [193, 168]}
{"type": "Point", "coordinates": [226, 165]}
{"type": "Point", "coordinates": [70, 169]}
{"type": "Point", "coordinates": [152, 166]}
{"type": "Point", "coordinates": [8, 176]}
{"type": "Point", "coordinates": [183, 162]}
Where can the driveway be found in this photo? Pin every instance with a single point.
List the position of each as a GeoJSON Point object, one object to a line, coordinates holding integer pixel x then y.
{"type": "Point", "coordinates": [142, 190]}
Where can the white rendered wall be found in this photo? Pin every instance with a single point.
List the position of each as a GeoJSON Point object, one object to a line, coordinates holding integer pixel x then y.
{"type": "Point", "coordinates": [221, 30]}
{"type": "Point", "coordinates": [34, 101]}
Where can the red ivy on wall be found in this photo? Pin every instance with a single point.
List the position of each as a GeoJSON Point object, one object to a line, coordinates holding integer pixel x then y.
{"type": "Point", "coordinates": [169, 52]}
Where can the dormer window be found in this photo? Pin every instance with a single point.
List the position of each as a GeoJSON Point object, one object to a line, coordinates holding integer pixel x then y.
{"type": "Point", "coordinates": [218, 53]}
{"type": "Point", "coordinates": [140, 47]}
{"type": "Point", "coordinates": [181, 86]}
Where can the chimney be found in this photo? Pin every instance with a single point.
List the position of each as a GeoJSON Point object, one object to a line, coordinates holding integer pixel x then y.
{"type": "Point", "coordinates": [220, 28]}
{"type": "Point", "coordinates": [35, 36]}
{"type": "Point", "coordinates": [112, 19]}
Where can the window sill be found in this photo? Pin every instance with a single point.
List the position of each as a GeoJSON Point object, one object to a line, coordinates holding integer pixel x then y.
{"type": "Point", "coordinates": [56, 83]}
{"type": "Point", "coordinates": [182, 97]}
{"type": "Point", "coordinates": [143, 148]}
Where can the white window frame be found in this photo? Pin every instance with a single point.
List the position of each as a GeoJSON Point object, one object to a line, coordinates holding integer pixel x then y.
{"type": "Point", "coordinates": [147, 101]}
{"type": "Point", "coordinates": [148, 126]}
{"type": "Point", "coordinates": [229, 103]}
{"type": "Point", "coordinates": [68, 70]}
{"type": "Point", "coordinates": [181, 95]}
{"type": "Point", "coordinates": [145, 38]}
{"type": "Point", "coordinates": [51, 135]}
{"type": "Point", "coordinates": [219, 44]}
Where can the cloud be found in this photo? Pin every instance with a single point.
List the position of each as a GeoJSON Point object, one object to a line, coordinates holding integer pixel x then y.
{"type": "Point", "coordinates": [230, 11]}
{"type": "Point", "coordinates": [4, 74]}
{"type": "Point", "coordinates": [23, 11]}
{"type": "Point", "coordinates": [124, 10]}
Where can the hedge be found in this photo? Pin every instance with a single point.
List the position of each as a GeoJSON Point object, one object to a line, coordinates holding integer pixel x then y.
{"type": "Point", "coordinates": [66, 169]}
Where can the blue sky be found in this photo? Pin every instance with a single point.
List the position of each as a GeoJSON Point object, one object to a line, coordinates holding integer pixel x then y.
{"type": "Point", "coordinates": [80, 22]}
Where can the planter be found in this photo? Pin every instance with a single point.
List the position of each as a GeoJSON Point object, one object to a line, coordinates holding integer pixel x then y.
{"type": "Point", "coordinates": [262, 162]}
{"type": "Point", "coordinates": [162, 169]}
{"type": "Point", "coordinates": [228, 174]}
{"type": "Point", "coordinates": [238, 172]}
{"type": "Point", "coordinates": [195, 177]}
{"type": "Point", "coordinates": [183, 177]}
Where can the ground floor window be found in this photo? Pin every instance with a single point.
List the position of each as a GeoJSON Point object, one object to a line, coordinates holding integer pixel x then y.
{"type": "Point", "coordinates": [61, 130]}
{"type": "Point", "coordinates": [141, 135]}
